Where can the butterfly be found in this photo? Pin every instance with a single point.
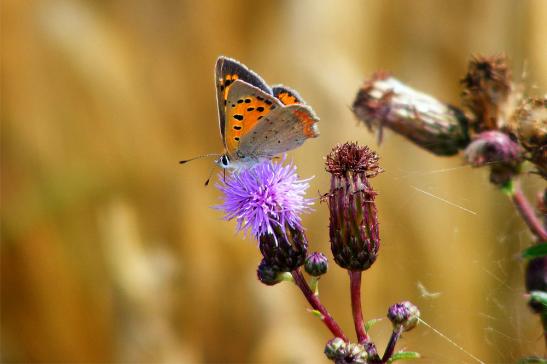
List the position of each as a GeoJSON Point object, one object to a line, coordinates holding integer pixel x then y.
{"type": "Point", "coordinates": [256, 121]}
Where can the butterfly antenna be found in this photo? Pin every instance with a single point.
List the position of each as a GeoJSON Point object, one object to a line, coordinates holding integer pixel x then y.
{"type": "Point", "coordinates": [199, 157]}
{"type": "Point", "coordinates": [209, 178]}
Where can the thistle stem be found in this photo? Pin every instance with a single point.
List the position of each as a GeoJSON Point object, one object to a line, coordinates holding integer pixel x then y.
{"type": "Point", "coordinates": [390, 348]}
{"type": "Point", "coordinates": [313, 300]}
{"type": "Point", "coordinates": [355, 289]}
{"type": "Point", "coordinates": [526, 211]}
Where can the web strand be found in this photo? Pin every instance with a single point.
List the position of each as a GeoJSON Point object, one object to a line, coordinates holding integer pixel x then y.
{"type": "Point", "coordinates": [451, 341]}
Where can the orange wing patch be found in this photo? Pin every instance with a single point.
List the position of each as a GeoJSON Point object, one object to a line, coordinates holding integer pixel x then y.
{"type": "Point", "coordinates": [310, 130]}
{"type": "Point", "coordinates": [242, 116]}
{"type": "Point", "coordinates": [225, 85]}
{"type": "Point", "coordinates": [287, 98]}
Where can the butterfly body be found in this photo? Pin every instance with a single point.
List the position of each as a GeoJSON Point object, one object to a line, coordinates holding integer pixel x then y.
{"type": "Point", "coordinates": [258, 122]}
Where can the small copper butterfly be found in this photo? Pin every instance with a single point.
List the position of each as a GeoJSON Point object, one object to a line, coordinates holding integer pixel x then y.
{"type": "Point", "coordinates": [256, 121]}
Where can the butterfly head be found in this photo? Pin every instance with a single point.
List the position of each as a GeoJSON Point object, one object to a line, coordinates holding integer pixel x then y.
{"type": "Point", "coordinates": [223, 161]}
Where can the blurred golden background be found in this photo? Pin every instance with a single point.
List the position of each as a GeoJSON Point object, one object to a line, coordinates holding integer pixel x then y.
{"type": "Point", "coordinates": [110, 250]}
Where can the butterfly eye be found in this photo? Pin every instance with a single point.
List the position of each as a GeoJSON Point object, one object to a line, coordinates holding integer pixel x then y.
{"type": "Point", "coordinates": [224, 160]}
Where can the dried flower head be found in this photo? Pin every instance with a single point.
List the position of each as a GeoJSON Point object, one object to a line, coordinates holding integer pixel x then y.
{"type": "Point", "coordinates": [352, 158]}
{"type": "Point", "coordinates": [353, 227]}
{"type": "Point", "coordinates": [265, 196]}
{"type": "Point", "coordinates": [384, 101]}
{"type": "Point", "coordinates": [487, 88]}
{"type": "Point", "coordinates": [530, 122]}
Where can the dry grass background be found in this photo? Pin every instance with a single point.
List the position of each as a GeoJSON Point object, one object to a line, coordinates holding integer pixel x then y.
{"type": "Point", "coordinates": [110, 251]}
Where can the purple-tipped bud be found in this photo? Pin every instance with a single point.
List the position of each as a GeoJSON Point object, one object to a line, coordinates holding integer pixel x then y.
{"type": "Point", "coordinates": [497, 150]}
{"type": "Point", "coordinates": [336, 349]}
{"type": "Point", "coordinates": [267, 274]}
{"type": "Point", "coordinates": [536, 280]}
{"type": "Point", "coordinates": [316, 264]}
{"type": "Point", "coordinates": [285, 248]}
{"type": "Point", "coordinates": [487, 90]}
{"type": "Point", "coordinates": [353, 228]}
{"type": "Point", "coordinates": [372, 352]}
{"type": "Point", "coordinates": [404, 314]}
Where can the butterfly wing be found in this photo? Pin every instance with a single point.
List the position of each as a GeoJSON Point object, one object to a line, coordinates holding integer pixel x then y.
{"type": "Point", "coordinates": [227, 71]}
{"type": "Point", "coordinates": [287, 95]}
{"type": "Point", "coordinates": [246, 106]}
{"type": "Point", "coordinates": [283, 129]}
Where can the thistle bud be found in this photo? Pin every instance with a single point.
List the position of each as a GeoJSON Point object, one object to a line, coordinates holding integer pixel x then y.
{"type": "Point", "coordinates": [285, 248]}
{"type": "Point", "coordinates": [353, 228]}
{"type": "Point", "coordinates": [335, 348]}
{"type": "Point", "coordinates": [267, 274]}
{"type": "Point", "coordinates": [372, 352]}
{"type": "Point", "coordinates": [341, 352]}
{"type": "Point", "coordinates": [424, 120]}
{"type": "Point", "coordinates": [404, 314]}
{"type": "Point", "coordinates": [497, 150]}
{"type": "Point", "coordinates": [536, 280]}
{"type": "Point", "coordinates": [316, 264]}
{"type": "Point", "coordinates": [356, 354]}
{"type": "Point", "coordinates": [487, 91]}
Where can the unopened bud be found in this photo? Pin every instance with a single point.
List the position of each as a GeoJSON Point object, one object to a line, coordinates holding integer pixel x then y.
{"type": "Point", "coordinates": [316, 264]}
{"type": "Point", "coordinates": [404, 314]}
{"type": "Point", "coordinates": [268, 274]}
{"type": "Point", "coordinates": [284, 249]}
{"type": "Point", "coordinates": [336, 348]}
{"type": "Point", "coordinates": [497, 150]}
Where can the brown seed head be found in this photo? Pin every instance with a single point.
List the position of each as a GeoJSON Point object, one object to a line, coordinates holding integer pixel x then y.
{"type": "Point", "coordinates": [350, 157]}
{"type": "Point", "coordinates": [487, 87]}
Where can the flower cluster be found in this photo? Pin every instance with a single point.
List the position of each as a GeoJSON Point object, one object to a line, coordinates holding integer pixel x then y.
{"type": "Point", "coordinates": [267, 201]}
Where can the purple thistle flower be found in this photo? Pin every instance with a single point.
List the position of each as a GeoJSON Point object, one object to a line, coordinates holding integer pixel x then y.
{"type": "Point", "coordinates": [265, 195]}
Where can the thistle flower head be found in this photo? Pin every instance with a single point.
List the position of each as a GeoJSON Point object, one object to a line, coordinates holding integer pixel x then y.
{"type": "Point", "coordinates": [266, 195]}
{"type": "Point", "coordinates": [350, 157]}
{"type": "Point", "coordinates": [353, 228]}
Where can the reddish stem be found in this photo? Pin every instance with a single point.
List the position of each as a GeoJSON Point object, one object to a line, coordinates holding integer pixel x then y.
{"type": "Point", "coordinates": [355, 288]}
{"type": "Point", "coordinates": [317, 305]}
{"type": "Point", "coordinates": [527, 213]}
{"type": "Point", "coordinates": [390, 348]}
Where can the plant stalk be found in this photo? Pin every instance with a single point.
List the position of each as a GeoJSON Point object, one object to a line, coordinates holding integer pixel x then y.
{"type": "Point", "coordinates": [390, 348]}
{"type": "Point", "coordinates": [355, 288]}
{"type": "Point", "coordinates": [527, 213]}
{"type": "Point", "coordinates": [313, 300]}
